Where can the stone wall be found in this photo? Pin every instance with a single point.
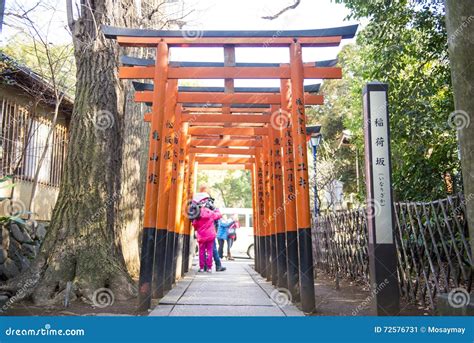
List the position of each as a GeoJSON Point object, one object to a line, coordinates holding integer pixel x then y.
{"type": "Point", "coordinates": [19, 246]}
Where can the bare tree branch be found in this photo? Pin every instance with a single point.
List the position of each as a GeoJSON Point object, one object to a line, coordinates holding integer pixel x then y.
{"type": "Point", "coordinates": [70, 17]}
{"type": "Point", "coordinates": [53, 73]}
{"type": "Point", "coordinates": [291, 7]}
{"type": "Point", "coordinates": [166, 20]}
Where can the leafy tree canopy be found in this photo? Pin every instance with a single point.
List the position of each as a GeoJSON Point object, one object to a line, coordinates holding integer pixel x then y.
{"type": "Point", "coordinates": [232, 188]}
{"type": "Point", "coordinates": [405, 45]}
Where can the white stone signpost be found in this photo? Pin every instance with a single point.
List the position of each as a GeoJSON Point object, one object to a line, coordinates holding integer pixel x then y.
{"type": "Point", "coordinates": [380, 211]}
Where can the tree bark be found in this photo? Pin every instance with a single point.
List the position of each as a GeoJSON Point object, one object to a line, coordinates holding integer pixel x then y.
{"type": "Point", "coordinates": [83, 244]}
{"type": "Point", "coordinates": [460, 28]}
{"type": "Point", "coordinates": [133, 175]}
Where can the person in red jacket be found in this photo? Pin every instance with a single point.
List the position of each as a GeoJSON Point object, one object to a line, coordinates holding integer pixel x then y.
{"type": "Point", "coordinates": [206, 233]}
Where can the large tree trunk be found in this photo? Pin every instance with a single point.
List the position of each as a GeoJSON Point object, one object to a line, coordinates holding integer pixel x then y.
{"type": "Point", "coordinates": [83, 244]}
{"type": "Point", "coordinates": [133, 175]}
{"type": "Point", "coordinates": [460, 27]}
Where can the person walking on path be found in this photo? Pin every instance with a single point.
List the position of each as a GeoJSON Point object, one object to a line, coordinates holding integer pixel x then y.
{"type": "Point", "coordinates": [232, 235]}
{"type": "Point", "coordinates": [201, 197]}
{"type": "Point", "coordinates": [217, 260]}
{"type": "Point", "coordinates": [205, 229]}
{"type": "Point", "coordinates": [222, 228]}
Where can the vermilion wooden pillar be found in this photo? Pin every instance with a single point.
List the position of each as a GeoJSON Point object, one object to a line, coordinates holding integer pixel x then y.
{"type": "Point", "coordinates": [192, 187]}
{"type": "Point", "coordinates": [259, 160]}
{"type": "Point", "coordinates": [151, 236]}
{"type": "Point", "coordinates": [185, 223]}
{"type": "Point", "coordinates": [298, 120]}
{"type": "Point", "coordinates": [255, 223]}
{"type": "Point", "coordinates": [273, 223]}
{"type": "Point", "coordinates": [268, 208]}
{"type": "Point", "coordinates": [289, 193]}
{"type": "Point", "coordinates": [182, 152]}
{"type": "Point", "coordinates": [166, 166]}
{"type": "Point", "coordinates": [174, 201]}
{"type": "Point", "coordinates": [279, 206]}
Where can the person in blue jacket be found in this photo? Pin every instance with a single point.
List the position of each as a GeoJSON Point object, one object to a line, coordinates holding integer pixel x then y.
{"type": "Point", "coordinates": [222, 233]}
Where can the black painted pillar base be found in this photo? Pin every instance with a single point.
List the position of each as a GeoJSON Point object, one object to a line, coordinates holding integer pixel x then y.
{"type": "Point", "coordinates": [185, 253]}
{"type": "Point", "coordinates": [159, 264]}
{"type": "Point", "coordinates": [169, 261]}
{"type": "Point", "coordinates": [176, 252]}
{"type": "Point", "coordinates": [384, 280]}
{"type": "Point", "coordinates": [268, 258]}
{"type": "Point", "coordinates": [282, 280]}
{"type": "Point", "coordinates": [192, 249]}
{"type": "Point", "coordinates": [292, 264]}
{"type": "Point", "coordinates": [179, 257]}
{"type": "Point", "coordinates": [305, 248]}
{"type": "Point", "coordinates": [255, 246]}
{"type": "Point", "coordinates": [274, 260]}
{"type": "Point", "coordinates": [146, 269]}
{"type": "Point", "coordinates": [263, 258]}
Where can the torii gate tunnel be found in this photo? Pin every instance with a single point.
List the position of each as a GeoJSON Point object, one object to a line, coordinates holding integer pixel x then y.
{"type": "Point", "coordinates": [259, 129]}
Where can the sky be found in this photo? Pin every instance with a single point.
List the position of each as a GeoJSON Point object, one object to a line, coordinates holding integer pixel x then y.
{"type": "Point", "coordinates": [246, 15]}
{"type": "Point", "coordinates": [224, 15]}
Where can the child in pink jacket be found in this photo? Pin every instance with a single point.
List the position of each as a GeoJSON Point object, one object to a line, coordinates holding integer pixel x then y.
{"type": "Point", "coordinates": [206, 234]}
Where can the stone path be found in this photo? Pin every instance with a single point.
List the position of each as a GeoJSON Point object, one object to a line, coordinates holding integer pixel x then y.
{"type": "Point", "coordinates": [239, 291]}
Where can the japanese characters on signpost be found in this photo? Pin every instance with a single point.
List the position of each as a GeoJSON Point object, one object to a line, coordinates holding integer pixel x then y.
{"type": "Point", "coordinates": [380, 211]}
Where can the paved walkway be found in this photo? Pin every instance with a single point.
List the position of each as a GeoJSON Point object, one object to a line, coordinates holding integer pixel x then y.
{"type": "Point", "coordinates": [239, 291]}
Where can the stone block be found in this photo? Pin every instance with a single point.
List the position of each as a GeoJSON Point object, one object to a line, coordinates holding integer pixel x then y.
{"type": "Point", "coordinates": [3, 255]}
{"type": "Point", "coordinates": [9, 269]}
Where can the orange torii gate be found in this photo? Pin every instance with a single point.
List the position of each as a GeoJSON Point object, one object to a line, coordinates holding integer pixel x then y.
{"type": "Point", "coordinates": [260, 129]}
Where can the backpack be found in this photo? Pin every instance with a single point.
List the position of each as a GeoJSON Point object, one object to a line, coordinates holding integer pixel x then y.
{"type": "Point", "coordinates": [193, 208]}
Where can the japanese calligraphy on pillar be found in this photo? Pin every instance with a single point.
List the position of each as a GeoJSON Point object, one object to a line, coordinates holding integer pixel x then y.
{"type": "Point", "coordinates": [272, 175]}
{"type": "Point", "coordinates": [176, 158]}
{"type": "Point", "coordinates": [277, 156]}
{"type": "Point", "coordinates": [377, 145]}
{"type": "Point", "coordinates": [154, 158]}
{"type": "Point", "coordinates": [289, 171]}
{"type": "Point", "coordinates": [300, 149]}
{"type": "Point", "coordinates": [261, 201]}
